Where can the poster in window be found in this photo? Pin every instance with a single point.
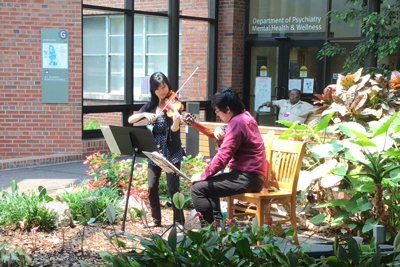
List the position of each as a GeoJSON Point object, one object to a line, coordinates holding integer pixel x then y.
{"type": "Point", "coordinates": [303, 72]}
{"type": "Point", "coordinates": [262, 92]}
{"type": "Point", "coordinates": [294, 84]}
{"type": "Point", "coordinates": [308, 86]}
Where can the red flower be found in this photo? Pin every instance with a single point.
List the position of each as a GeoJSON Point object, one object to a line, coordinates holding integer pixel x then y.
{"type": "Point", "coordinates": [229, 222]}
{"type": "Point", "coordinates": [183, 191]}
{"type": "Point", "coordinates": [59, 199]}
{"type": "Point", "coordinates": [347, 229]}
{"type": "Point", "coordinates": [270, 221]}
{"type": "Point", "coordinates": [215, 223]}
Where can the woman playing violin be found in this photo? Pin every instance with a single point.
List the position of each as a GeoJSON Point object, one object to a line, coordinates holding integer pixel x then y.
{"type": "Point", "coordinates": [166, 132]}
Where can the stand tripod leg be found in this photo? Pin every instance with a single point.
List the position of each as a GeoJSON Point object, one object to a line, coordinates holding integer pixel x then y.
{"type": "Point", "coordinates": [174, 209]}
{"type": "Point", "coordinates": [122, 232]}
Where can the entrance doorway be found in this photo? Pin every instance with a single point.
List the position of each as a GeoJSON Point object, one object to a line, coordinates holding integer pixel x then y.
{"type": "Point", "coordinates": [277, 67]}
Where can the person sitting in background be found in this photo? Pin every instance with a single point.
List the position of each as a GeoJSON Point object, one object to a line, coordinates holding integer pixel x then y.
{"type": "Point", "coordinates": [292, 109]}
{"type": "Point", "coordinates": [242, 150]}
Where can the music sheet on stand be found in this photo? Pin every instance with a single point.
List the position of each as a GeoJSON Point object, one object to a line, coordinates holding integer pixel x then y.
{"type": "Point", "coordinates": [164, 164]}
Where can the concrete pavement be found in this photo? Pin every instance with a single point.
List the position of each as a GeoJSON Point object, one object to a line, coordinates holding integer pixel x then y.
{"type": "Point", "coordinates": [50, 176]}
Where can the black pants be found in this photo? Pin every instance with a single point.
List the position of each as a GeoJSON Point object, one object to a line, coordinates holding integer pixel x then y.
{"type": "Point", "coordinates": [206, 194]}
{"type": "Point", "coordinates": [153, 180]}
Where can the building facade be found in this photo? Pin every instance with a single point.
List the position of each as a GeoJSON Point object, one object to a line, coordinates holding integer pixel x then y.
{"type": "Point", "coordinates": [56, 90]}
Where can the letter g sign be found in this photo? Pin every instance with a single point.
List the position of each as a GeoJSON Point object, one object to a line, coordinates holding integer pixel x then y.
{"type": "Point", "coordinates": [63, 34]}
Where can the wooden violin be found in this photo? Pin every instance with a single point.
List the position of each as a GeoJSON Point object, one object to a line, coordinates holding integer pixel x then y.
{"type": "Point", "coordinates": [171, 104]}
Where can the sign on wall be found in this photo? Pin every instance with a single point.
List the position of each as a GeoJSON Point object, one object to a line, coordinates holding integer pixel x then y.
{"type": "Point", "coordinates": [54, 65]}
{"type": "Point", "coordinates": [287, 16]}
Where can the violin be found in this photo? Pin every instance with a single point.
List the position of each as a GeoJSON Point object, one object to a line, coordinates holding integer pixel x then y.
{"type": "Point", "coordinates": [171, 104]}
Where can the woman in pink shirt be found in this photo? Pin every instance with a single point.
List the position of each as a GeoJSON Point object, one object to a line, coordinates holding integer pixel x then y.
{"type": "Point", "coordinates": [242, 150]}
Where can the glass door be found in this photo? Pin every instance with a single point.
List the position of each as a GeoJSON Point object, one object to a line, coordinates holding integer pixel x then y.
{"type": "Point", "coordinates": [277, 67]}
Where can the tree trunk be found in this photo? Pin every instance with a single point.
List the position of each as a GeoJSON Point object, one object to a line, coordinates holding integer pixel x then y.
{"type": "Point", "coordinates": [380, 210]}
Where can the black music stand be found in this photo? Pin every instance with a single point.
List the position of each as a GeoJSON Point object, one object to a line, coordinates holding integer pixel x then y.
{"type": "Point", "coordinates": [139, 141]}
{"type": "Point", "coordinates": [132, 141]}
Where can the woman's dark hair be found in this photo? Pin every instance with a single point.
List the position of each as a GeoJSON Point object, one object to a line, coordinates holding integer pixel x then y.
{"type": "Point", "coordinates": [228, 97]}
{"type": "Point", "coordinates": [156, 79]}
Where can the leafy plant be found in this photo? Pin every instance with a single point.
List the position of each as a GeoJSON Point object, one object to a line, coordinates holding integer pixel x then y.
{"type": "Point", "coordinates": [369, 162]}
{"type": "Point", "coordinates": [105, 196]}
{"type": "Point", "coordinates": [86, 219]}
{"type": "Point", "coordinates": [354, 256]}
{"type": "Point", "coordinates": [28, 206]}
{"type": "Point", "coordinates": [359, 98]}
{"type": "Point", "coordinates": [12, 256]}
{"type": "Point", "coordinates": [229, 246]}
{"type": "Point", "coordinates": [379, 29]}
{"type": "Point", "coordinates": [93, 124]}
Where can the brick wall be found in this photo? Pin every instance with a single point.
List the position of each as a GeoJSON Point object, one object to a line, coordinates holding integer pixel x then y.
{"type": "Point", "coordinates": [28, 127]}
{"type": "Point", "coordinates": [230, 44]}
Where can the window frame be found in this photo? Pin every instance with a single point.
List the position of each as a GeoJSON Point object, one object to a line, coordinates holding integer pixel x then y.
{"type": "Point", "coordinates": [130, 105]}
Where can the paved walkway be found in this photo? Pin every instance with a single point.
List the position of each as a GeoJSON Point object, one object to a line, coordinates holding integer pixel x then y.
{"type": "Point", "coordinates": [51, 176]}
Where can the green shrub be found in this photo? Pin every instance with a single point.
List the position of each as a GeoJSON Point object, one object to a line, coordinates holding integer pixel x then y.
{"type": "Point", "coordinates": [17, 207]}
{"type": "Point", "coordinates": [106, 196]}
{"type": "Point", "coordinates": [94, 124]}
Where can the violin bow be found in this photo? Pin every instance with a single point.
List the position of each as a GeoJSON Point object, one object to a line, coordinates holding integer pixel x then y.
{"type": "Point", "coordinates": [166, 104]}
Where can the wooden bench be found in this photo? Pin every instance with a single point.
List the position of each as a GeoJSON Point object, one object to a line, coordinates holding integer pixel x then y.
{"type": "Point", "coordinates": [204, 143]}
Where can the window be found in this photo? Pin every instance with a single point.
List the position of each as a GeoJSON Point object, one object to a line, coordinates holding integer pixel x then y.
{"type": "Point", "coordinates": [150, 51]}
{"type": "Point", "coordinates": [117, 65]}
{"type": "Point", "coordinates": [103, 59]}
{"type": "Point", "coordinates": [103, 56]}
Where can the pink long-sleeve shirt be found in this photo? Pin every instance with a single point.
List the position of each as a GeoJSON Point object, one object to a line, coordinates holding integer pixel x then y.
{"type": "Point", "coordinates": [242, 148]}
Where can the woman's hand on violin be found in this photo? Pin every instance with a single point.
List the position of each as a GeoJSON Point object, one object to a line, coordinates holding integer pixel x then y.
{"type": "Point", "coordinates": [219, 133]}
{"type": "Point", "coordinates": [150, 116]}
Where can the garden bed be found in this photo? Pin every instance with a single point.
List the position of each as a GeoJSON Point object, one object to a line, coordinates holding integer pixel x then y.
{"type": "Point", "coordinates": [49, 251]}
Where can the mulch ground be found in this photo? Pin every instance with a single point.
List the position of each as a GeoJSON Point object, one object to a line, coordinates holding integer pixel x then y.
{"type": "Point", "coordinates": [51, 249]}
{"type": "Point", "coordinates": [47, 249]}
